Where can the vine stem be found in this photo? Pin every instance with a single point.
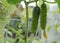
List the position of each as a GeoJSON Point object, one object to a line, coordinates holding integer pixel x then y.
{"type": "Point", "coordinates": [36, 3]}
{"type": "Point", "coordinates": [26, 31]}
{"type": "Point", "coordinates": [50, 2]}
{"type": "Point", "coordinates": [44, 1]}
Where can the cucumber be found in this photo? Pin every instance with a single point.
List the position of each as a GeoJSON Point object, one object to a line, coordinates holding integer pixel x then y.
{"type": "Point", "coordinates": [35, 17]}
{"type": "Point", "coordinates": [43, 16]}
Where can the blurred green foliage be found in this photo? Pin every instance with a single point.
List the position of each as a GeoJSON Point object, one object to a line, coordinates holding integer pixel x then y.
{"type": "Point", "coordinates": [14, 1]}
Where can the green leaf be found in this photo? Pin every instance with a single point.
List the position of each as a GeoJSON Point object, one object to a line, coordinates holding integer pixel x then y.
{"type": "Point", "coordinates": [10, 28]}
{"type": "Point", "coordinates": [14, 1]}
{"type": "Point", "coordinates": [10, 33]}
{"type": "Point", "coordinates": [58, 2]}
{"type": "Point", "coordinates": [19, 31]}
{"type": "Point", "coordinates": [9, 7]}
{"type": "Point", "coordinates": [59, 11]}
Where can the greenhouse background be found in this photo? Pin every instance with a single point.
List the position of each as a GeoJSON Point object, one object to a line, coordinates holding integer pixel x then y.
{"type": "Point", "coordinates": [13, 25]}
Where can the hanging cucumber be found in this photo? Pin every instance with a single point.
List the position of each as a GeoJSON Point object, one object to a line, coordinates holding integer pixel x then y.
{"type": "Point", "coordinates": [43, 18]}
{"type": "Point", "coordinates": [35, 17]}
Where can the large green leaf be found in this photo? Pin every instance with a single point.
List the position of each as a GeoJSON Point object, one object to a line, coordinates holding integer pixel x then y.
{"type": "Point", "coordinates": [58, 2]}
{"type": "Point", "coordinates": [14, 1]}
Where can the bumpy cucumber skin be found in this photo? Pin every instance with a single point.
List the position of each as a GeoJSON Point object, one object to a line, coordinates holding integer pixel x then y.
{"type": "Point", "coordinates": [43, 16]}
{"type": "Point", "coordinates": [35, 17]}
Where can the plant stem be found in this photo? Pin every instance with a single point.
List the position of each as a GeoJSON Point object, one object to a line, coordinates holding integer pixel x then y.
{"type": "Point", "coordinates": [36, 3]}
{"type": "Point", "coordinates": [44, 1]}
{"type": "Point", "coordinates": [50, 2]}
{"type": "Point", "coordinates": [26, 32]}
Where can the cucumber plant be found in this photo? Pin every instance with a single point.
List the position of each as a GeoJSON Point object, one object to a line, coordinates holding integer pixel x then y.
{"type": "Point", "coordinates": [36, 13]}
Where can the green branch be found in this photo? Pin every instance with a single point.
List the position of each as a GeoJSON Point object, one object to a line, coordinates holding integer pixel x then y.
{"type": "Point", "coordinates": [44, 1]}
{"type": "Point", "coordinates": [26, 32]}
